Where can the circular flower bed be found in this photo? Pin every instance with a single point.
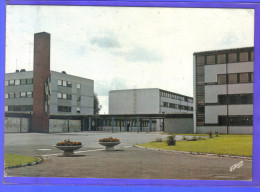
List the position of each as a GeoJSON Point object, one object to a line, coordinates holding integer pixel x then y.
{"type": "Point", "coordinates": [109, 139]}
{"type": "Point", "coordinates": [109, 143]}
{"type": "Point", "coordinates": [68, 147]}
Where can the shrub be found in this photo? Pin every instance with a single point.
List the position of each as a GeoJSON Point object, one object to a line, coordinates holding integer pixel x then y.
{"type": "Point", "coordinates": [184, 138]}
{"type": "Point", "coordinates": [200, 138]}
{"type": "Point", "coordinates": [171, 140]}
{"type": "Point", "coordinates": [158, 139]}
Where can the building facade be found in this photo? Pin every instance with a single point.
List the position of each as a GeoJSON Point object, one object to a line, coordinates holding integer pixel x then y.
{"type": "Point", "coordinates": [148, 101]}
{"type": "Point", "coordinates": [69, 95]}
{"type": "Point", "coordinates": [223, 91]}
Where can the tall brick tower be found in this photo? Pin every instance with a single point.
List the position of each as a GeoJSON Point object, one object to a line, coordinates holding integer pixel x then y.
{"type": "Point", "coordinates": [41, 76]}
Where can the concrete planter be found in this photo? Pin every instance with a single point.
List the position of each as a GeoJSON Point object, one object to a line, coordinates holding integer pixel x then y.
{"type": "Point", "coordinates": [109, 145]}
{"type": "Point", "coordinates": [68, 150]}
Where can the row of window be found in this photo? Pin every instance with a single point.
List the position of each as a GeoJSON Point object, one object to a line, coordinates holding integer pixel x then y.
{"type": "Point", "coordinates": [117, 123]}
{"type": "Point", "coordinates": [177, 97]}
{"type": "Point", "coordinates": [236, 78]}
{"type": "Point", "coordinates": [67, 83]}
{"type": "Point", "coordinates": [235, 99]}
{"type": "Point", "coordinates": [67, 109]}
{"type": "Point", "coordinates": [14, 82]}
{"type": "Point", "coordinates": [225, 58]}
{"type": "Point", "coordinates": [19, 108]}
{"type": "Point", "coordinates": [176, 106]}
{"type": "Point", "coordinates": [28, 94]}
{"type": "Point", "coordinates": [241, 120]}
{"type": "Point", "coordinates": [64, 96]}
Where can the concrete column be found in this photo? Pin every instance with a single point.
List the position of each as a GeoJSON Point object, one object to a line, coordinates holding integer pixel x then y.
{"type": "Point", "coordinates": [150, 124]}
{"type": "Point", "coordinates": [89, 124]}
{"type": "Point", "coordinates": [112, 124]}
{"type": "Point", "coordinates": [137, 124]}
{"type": "Point", "coordinates": [125, 125]}
{"type": "Point", "coordinates": [131, 125]}
{"type": "Point", "coordinates": [68, 125]}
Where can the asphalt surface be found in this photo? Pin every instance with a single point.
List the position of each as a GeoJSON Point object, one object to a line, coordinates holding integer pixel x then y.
{"type": "Point", "coordinates": [92, 161]}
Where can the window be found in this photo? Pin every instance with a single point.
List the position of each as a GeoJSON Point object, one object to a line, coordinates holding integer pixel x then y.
{"type": "Point", "coordinates": [246, 99]}
{"type": "Point", "coordinates": [23, 94]}
{"type": "Point", "coordinates": [78, 98]}
{"type": "Point", "coordinates": [233, 99]}
{"type": "Point", "coordinates": [200, 60]}
{"type": "Point", "coordinates": [78, 85]}
{"type": "Point", "coordinates": [64, 83]}
{"type": "Point", "coordinates": [232, 57]}
{"type": "Point", "coordinates": [200, 100]}
{"type": "Point", "coordinates": [221, 58]}
{"type": "Point", "coordinates": [6, 95]}
{"type": "Point", "coordinates": [59, 95]}
{"type": "Point", "coordinates": [6, 108]}
{"type": "Point", "coordinates": [222, 79]}
{"type": "Point", "coordinates": [201, 110]}
{"type": "Point", "coordinates": [211, 59]}
{"type": "Point", "coordinates": [243, 57]}
{"type": "Point", "coordinates": [69, 84]}
{"type": "Point", "coordinates": [6, 83]}
{"type": "Point", "coordinates": [232, 78]}
{"type": "Point", "coordinates": [23, 81]}
{"type": "Point", "coordinates": [64, 109]}
{"type": "Point", "coordinates": [222, 99]}
{"type": "Point", "coordinates": [200, 90]}
{"type": "Point", "coordinates": [17, 82]}
{"type": "Point", "coordinates": [252, 56]}
{"type": "Point", "coordinates": [69, 96]}
{"type": "Point", "coordinates": [165, 104]}
{"type": "Point", "coordinates": [244, 77]}
{"type": "Point", "coordinates": [171, 105]}
{"type": "Point", "coordinates": [17, 95]}
{"type": "Point", "coordinates": [11, 95]}
{"type": "Point", "coordinates": [60, 82]}
{"type": "Point", "coordinates": [64, 96]}
{"type": "Point", "coordinates": [200, 69]}
{"type": "Point", "coordinates": [78, 109]}
{"type": "Point", "coordinates": [29, 81]}
{"type": "Point", "coordinates": [200, 78]}
{"type": "Point", "coordinates": [11, 82]}
{"type": "Point", "coordinates": [251, 77]}
{"type": "Point", "coordinates": [29, 94]}
{"type": "Point", "coordinates": [222, 120]}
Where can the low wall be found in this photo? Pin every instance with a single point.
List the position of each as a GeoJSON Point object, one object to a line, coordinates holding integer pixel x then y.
{"type": "Point", "coordinates": [16, 125]}
{"type": "Point", "coordinates": [178, 125]}
{"type": "Point", "coordinates": [240, 130]}
{"type": "Point", "coordinates": [64, 125]}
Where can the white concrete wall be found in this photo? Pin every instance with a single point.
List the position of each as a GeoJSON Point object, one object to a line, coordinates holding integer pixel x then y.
{"type": "Point", "coordinates": [212, 92]}
{"type": "Point", "coordinates": [241, 67]}
{"type": "Point", "coordinates": [212, 71]}
{"type": "Point", "coordinates": [178, 125]}
{"type": "Point", "coordinates": [16, 125]}
{"type": "Point", "coordinates": [213, 111]}
{"type": "Point", "coordinates": [137, 101]}
{"type": "Point", "coordinates": [61, 125]}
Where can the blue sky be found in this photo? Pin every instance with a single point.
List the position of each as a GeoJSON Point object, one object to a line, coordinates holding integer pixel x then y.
{"type": "Point", "coordinates": [125, 48]}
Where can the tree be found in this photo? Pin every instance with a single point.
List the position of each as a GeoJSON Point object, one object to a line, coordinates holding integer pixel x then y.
{"type": "Point", "coordinates": [97, 106]}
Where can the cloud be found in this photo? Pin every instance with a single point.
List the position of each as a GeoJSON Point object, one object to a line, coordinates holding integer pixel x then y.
{"type": "Point", "coordinates": [141, 54]}
{"type": "Point", "coordinates": [105, 42]}
{"type": "Point", "coordinates": [103, 87]}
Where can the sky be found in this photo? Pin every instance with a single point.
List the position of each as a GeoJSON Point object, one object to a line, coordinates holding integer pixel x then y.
{"type": "Point", "coordinates": [125, 47]}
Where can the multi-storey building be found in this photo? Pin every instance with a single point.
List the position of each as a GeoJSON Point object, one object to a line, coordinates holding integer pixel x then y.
{"type": "Point", "coordinates": [69, 95]}
{"type": "Point", "coordinates": [43, 92]}
{"type": "Point", "coordinates": [148, 101]}
{"type": "Point", "coordinates": [223, 96]}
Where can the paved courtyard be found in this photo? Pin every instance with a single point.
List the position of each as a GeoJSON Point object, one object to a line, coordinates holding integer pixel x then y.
{"type": "Point", "coordinates": [126, 162]}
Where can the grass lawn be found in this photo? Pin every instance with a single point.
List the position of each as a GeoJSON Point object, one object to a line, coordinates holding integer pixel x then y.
{"type": "Point", "coordinates": [12, 160]}
{"type": "Point", "coordinates": [240, 145]}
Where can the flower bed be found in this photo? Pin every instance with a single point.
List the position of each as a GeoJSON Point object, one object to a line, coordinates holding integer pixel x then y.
{"type": "Point", "coordinates": [68, 143]}
{"type": "Point", "coordinates": [109, 139]}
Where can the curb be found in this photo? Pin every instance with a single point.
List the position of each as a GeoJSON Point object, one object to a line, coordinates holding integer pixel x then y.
{"type": "Point", "coordinates": [40, 160]}
{"type": "Point", "coordinates": [196, 153]}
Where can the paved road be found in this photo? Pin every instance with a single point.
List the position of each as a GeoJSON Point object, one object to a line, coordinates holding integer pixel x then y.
{"type": "Point", "coordinates": [30, 143]}
{"type": "Point", "coordinates": [126, 162]}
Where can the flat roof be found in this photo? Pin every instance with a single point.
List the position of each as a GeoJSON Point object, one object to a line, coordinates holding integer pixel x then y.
{"type": "Point", "coordinates": [224, 51]}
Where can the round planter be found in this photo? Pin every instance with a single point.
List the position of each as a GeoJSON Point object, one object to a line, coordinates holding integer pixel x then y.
{"type": "Point", "coordinates": [68, 150]}
{"type": "Point", "coordinates": [109, 145]}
